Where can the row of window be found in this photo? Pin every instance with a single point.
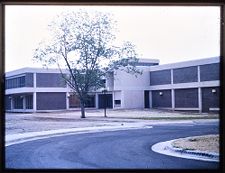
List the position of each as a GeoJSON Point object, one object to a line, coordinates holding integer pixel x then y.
{"type": "Point", "coordinates": [42, 80]}
{"type": "Point", "coordinates": [18, 102]}
{"type": "Point", "coordinates": [15, 82]}
{"type": "Point", "coordinates": [208, 72]}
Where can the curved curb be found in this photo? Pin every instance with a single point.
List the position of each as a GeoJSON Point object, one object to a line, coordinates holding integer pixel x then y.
{"type": "Point", "coordinates": [167, 149]}
{"type": "Point", "coordinates": [195, 152]}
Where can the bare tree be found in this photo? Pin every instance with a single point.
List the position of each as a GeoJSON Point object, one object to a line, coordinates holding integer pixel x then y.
{"type": "Point", "coordinates": [82, 42]}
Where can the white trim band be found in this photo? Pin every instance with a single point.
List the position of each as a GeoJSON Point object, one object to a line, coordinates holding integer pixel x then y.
{"type": "Point", "coordinates": [186, 85]}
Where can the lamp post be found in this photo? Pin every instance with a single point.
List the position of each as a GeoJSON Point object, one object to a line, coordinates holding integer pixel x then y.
{"type": "Point", "coordinates": [104, 91]}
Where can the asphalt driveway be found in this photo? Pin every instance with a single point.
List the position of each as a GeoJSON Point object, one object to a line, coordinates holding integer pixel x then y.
{"type": "Point", "coordinates": [128, 149]}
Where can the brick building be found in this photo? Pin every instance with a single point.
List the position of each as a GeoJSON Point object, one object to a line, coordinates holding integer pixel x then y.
{"type": "Point", "coordinates": [187, 86]}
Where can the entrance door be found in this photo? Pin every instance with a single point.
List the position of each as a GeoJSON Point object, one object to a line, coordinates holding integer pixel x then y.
{"type": "Point", "coordinates": [105, 100]}
{"type": "Point", "coordinates": [146, 97]}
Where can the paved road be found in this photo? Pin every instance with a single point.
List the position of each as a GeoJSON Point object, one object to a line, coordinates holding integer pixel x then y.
{"type": "Point", "coordinates": [118, 149]}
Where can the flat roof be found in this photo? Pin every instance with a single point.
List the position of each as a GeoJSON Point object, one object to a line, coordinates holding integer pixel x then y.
{"type": "Point", "coordinates": [143, 60]}
{"type": "Point", "coordinates": [33, 70]}
{"type": "Point", "coordinates": [190, 63]}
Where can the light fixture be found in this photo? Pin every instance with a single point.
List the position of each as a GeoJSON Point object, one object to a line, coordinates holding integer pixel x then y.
{"type": "Point", "coordinates": [213, 90]}
{"type": "Point", "coordinates": [160, 93]}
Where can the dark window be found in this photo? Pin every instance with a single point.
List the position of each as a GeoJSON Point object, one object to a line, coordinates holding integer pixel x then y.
{"type": "Point", "coordinates": [8, 102]}
{"type": "Point", "coordinates": [160, 77]}
{"type": "Point", "coordinates": [51, 100]}
{"type": "Point", "coordinates": [105, 100]}
{"type": "Point", "coordinates": [29, 80]}
{"type": "Point", "coordinates": [50, 80]}
{"type": "Point", "coordinates": [15, 82]}
{"type": "Point", "coordinates": [103, 81]}
{"type": "Point", "coordinates": [186, 98]}
{"type": "Point", "coordinates": [18, 102]}
{"type": "Point", "coordinates": [117, 102]}
{"type": "Point", "coordinates": [146, 64]}
{"type": "Point", "coordinates": [21, 81]}
{"type": "Point", "coordinates": [185, 75]}
{"type": "Point", "coordinates": [161, 98]}
{"type": "Point", "coordinates": [90, 102]}
{"type": "Point", "coordinates": [146, 99]}
{"type": "Point", "coordinates": [29, 102]}
{"type": "Point", "coordinates": [210, 72]}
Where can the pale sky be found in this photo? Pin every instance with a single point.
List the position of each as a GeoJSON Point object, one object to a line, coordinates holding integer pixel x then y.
{"type": "Point", "coordinates": [170, 34]}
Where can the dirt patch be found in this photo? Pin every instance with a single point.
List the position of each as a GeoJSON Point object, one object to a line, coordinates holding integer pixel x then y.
{"type": "Point", "coordinates": [208, 143]}
{"type": "Point", "coordinates": [32, 122]}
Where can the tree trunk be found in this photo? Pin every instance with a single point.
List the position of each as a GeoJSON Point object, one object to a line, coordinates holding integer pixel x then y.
{"type": "Point", "coordinates": [82, 110]}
